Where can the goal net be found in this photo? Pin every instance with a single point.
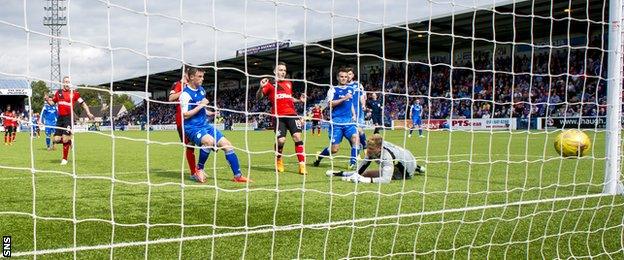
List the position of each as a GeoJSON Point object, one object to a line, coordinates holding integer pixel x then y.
{"type": "Point", "coordinates": [473, 92]}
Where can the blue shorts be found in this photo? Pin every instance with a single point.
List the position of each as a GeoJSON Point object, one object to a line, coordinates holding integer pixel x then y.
{"type": "Point", "coordinates": [195, 134]}
{"type": "Point", "coordinates": [416, 121]}
{"type": "Point", "coordinates": [338, 131]}
{"type": "Point", "coordinates": [49, 130]}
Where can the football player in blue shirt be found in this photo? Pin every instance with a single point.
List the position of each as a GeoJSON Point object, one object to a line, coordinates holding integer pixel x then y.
{"type": "Point", "coordinates": [359, 104]}
{"type": "Point", "coordinates": [49, 114]}
{"type": "Point", "coordinates": [342, 119]}
{"type": "Point", "coordinates": [416, 115]}
{"type": "Point", "coordinates": [34, 125]}
{"type": "Point", "coordinates": [193, 104]}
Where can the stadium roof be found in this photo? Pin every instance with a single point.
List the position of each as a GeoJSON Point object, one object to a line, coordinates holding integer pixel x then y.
{"type": "Point", "coordinates": [15, 87]}
{"type": "Point", "coordinates": [14, 84]}
{"type": "Point", "coordinates": [516, 22]}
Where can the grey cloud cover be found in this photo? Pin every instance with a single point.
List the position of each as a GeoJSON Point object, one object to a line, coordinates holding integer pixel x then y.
{"type": "Point", "coordinates": [261, 21]}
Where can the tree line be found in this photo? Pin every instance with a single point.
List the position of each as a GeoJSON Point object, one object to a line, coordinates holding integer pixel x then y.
{"type": "Point", "coordinates": [94, 98]}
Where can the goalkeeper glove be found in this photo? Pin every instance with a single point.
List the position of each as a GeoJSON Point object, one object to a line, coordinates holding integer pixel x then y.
{"type": "Point", "coordinates": [351, 176]}
{"type": "Point", "coordinates": [356, 178]}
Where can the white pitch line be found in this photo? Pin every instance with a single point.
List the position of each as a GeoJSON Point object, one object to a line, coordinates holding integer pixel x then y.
{"type": "Point", "coordinates": [52, 175]}
{"type": "Point", "coordinates": [108, 174]}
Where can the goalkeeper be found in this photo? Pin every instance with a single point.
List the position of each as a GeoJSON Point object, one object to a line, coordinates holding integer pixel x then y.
{"type": "Point", "coordinates": [395, 163]}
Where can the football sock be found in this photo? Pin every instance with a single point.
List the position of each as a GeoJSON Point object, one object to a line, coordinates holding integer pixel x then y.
{"type": "Point", "coordinates": [279, 148]}
{"type": "Point", "coordinates": [363, 140]}
{"type": "Point", "coordinates": [324, 153]}
{"type": "Point", "coordinates": [48, 141]}
{"type": "Point", "coordinates": [420, 131]}
{"type": "Point", "coordinates": [190, 158]}
{"type": "Point", "coordinates": [66, 147]}
{"type": "Point", "coordinates": [230, 156]}
{"type": "Point", "coordinates": [354, 153]}
{"type": "Point", "coordinates": [204, 152]}
{"type": "Point", "coordinates": [299, 151]}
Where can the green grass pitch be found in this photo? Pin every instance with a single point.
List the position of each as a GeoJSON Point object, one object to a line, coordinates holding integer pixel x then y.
{"type": "Point", "coordinates": [441, 213]}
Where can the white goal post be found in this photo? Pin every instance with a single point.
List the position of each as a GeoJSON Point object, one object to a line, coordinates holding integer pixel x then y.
{"type": "Point", "coordinates": [613, 172]}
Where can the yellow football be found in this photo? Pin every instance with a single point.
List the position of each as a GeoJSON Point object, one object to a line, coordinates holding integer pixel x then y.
{"type": "Point", "coordinates": [572, 142]}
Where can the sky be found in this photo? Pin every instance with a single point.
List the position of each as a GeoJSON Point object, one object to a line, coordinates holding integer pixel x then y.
{"type": "Point", "coordinates": [120, 39]}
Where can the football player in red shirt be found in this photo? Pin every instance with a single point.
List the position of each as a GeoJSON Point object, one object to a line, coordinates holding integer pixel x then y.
{"type": "Point", "coordinates": [66, 98]}
{"type": "Point", "coordinates": [16, 124]}
{"type": "Point", "coordinates": [317, 116]}
{"type": "Point", "coordinates": [174, 95]}
{"type": "Point", "coordinates": [9, 125]}
{"type": "Point", "coordinates": [286, 118]}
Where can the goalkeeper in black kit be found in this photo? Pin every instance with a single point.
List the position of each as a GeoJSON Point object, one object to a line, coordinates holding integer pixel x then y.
{"type": "Point", "coordinates": [395, 163]}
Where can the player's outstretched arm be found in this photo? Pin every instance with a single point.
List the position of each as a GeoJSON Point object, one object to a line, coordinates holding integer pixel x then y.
{"type": "Point", "coordinates": [302, 98]}
{"type": "Point", "coordinates": [86, 108]}
{"type": "Point", "coordinates": [174, 96]}
{"type": "Point", "coordinates": [382, 175]}
{"type": "Point", "coordinates": [53, 100]}
{"type": "Point", "coordinates": [260, 92]}
{"type": "Point", "coordinates": [175, 92]}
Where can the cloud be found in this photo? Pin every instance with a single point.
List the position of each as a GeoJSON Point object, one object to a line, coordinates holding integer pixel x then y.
{"type": "Point", "coordinates": [125, 36]}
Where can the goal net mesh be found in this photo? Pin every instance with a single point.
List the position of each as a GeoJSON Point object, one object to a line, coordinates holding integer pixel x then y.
{"type": "Point", "coordinates": [497, 82]}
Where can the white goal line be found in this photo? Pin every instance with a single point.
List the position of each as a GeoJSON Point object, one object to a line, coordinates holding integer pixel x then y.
{"type": "Point", "coordinates": [337, 158]}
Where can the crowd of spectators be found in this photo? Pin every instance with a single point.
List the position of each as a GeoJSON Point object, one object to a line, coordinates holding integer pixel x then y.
{"type": "Point", "coordinates": [231, 105]}
{"type": "Point", "coordinates": [563, 82]}
{"type": "Point", "coordinates": [160, 112]}
{"type": "Point", "coordinates": [558, 84]}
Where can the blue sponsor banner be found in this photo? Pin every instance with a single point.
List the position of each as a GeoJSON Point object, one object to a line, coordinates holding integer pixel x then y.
{"type": "Point", "coordinates": [262, 48]}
